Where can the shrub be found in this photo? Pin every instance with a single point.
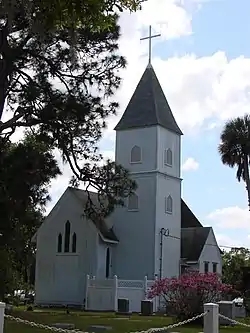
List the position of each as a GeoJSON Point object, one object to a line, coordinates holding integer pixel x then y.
{"type": "Point", "coordinates": [186, 295]}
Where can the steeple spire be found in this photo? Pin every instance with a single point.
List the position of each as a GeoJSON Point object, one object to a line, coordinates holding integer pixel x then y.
{"type": "Point", "coordinates": [148, 106]}
{"type": "Point", "coordinates": [150, 43]}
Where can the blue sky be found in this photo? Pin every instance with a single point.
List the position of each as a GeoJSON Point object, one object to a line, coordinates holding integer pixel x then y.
{"type": "Point", "coordinates": [203, 63]}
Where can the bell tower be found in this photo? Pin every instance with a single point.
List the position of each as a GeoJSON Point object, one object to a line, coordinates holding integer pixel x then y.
{"type": "Point", "coordinates": [148, 144]}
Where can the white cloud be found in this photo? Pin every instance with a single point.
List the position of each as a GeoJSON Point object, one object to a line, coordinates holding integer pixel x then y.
{"type": "Point", "coordinates": [231, 218]}
{"type": "Point", "coordinates": [226, 242]}
{"type": "Point", "coordinates": [202, 91]}
{"type": "Point", "coordinates": [190, 164]}
{"type": "Point", "coordinates": [198, 89]}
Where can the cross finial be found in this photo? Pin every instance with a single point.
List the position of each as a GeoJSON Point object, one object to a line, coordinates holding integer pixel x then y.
{"type": "Point", "coordinates": [150, 42]}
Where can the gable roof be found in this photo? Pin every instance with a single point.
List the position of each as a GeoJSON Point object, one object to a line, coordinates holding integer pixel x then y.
{"type": "Point", "coordinates": [188, 219]}
{"type": "Point", "coordinates": [192, 242]}
{"type": "Point", "coordinates": [82, 196]}
{"type": "Point", "coordinates": [148, 106]}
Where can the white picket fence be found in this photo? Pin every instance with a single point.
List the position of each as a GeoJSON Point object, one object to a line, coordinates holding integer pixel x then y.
{"type": "Point", "coordinates": [103, 294]}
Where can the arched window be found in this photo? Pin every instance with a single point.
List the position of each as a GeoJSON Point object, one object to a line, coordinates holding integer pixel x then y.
{"type": "Point", "coordinates": [135, 155]}
{"type": "Point", "coordinates": [74, 243]}
{"type": "Point", "coordinates": [133, 202]}
{"type": "Point", "coordinates": [168, 157]}
{"type": "Point", "coordinates": [67, 236]}
{"type": "Point", "coordinates": [59, 243]}
{"type": "Point", "coordinates": [107, 262]}
{"type": "Point", "coordinates": [169, 205]}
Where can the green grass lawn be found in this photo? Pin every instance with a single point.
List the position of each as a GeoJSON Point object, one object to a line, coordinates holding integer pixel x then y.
{"type": "Point", "coordinates": [83, 320]}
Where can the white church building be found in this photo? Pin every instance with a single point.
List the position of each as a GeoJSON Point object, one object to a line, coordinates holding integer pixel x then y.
{"type": "Point", "coordinates": [154, 234]}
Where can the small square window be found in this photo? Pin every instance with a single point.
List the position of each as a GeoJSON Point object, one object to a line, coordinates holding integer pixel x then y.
{"type": "Point", "coordinates": [206, 267]}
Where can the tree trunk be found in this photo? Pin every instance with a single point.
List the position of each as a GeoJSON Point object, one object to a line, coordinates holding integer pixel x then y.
{"type": "Point", "coordinates": [247, 180]}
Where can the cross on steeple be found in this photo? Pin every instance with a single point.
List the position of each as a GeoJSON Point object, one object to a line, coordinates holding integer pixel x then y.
{"type": "Point", "coordinates": [150, 42]}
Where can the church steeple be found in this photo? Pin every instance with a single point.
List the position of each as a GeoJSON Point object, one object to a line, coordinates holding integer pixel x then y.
{"type": "Point", "coordinates": [148, 106]}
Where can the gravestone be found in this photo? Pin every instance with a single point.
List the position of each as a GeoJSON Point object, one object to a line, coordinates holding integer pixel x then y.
{"type": "Point", "coordinates": [64, 326]}
{"type": "Point", "coordinates": [226, 308]}
{"type": "Point", "coordinates": [240, 310]}
{"type": "Point", "coordinates": [99, 328]}
{"type": "Point", "coordinates": [8, 309]}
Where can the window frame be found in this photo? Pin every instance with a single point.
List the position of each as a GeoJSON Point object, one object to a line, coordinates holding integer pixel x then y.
{"type": "Point", "coordinates": [107, 263]}
{"type": "Point", "coordinates": [133, 209]}
{"type": "Point", "coordinates": [59, 243]}
{"type": "Point", "coordinates": [67, 237]}
{"type": "Point", "coordinates": [206, 264]}
{"type": "Point", "coordinates": [74, 243]}
{"type": "Point", "coordinates": [166, 157]}
{"type": "Point", "coordinates": [138, 161]}
{"type": "Point", "coordinates": [215, 265]}
{"type": "Point", "coordinates": [167, 211]}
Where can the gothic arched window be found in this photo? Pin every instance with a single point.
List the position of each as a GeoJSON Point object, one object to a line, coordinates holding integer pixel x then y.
{"type": "Point", "coordinates": [135, 155]}
{"type": "Point", "coordinates": [169, 205]}
{"type": "Point", "coordinates": [168, 157]}
{"type": "Point", "coordinates": [133, 202]}
{"type": "Point", "coordinates": [107, 262]}
{"type": "Point", "coordinates": [74, 243]}
{"type": "Point", "coordinates": [67, 236]}
{"type": "Point", "coordinates": [59, 243]}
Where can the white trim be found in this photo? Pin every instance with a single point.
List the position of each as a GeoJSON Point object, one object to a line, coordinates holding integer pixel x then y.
{"type": "Point", "coordinates": [106, 240]}
{"type": "Point", "coordinates": [155, 171]}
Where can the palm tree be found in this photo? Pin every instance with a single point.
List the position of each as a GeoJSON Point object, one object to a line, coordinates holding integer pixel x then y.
{"type": "Point", "coordinates": [234, 148]}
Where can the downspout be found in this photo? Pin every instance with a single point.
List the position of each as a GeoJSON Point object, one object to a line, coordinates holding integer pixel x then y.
{"type": "Point", "coordinates": [163, 232]}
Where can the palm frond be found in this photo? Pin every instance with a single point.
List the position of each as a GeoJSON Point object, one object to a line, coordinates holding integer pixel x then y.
{"type": "Point", "coordinates": [235, 143]}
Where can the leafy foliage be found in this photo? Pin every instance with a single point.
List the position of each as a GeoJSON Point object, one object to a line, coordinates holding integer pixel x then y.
{"type": "Point", "coordinates": [233, 263]}
{"type": "Point", "coordinates": [187, 294]}
{"type": "Point", "coordinates": [234, 148]}
{"type": "Point", "coordinates": [70, 15]}
{"type": "Point", "coordinates": [63, 89]}
{"type": "Point", "coordinates": [26, 169]}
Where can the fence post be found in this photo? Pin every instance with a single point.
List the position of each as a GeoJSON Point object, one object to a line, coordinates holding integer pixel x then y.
{"type": "Point", "coordinates": [211, 319]}
{"type": "Point", "coordinates": [87, 293]}
{"type": "Point", "coordinates": [145, 286]}
{"type": "Point", "coordinates": [2, 309]}
{"type": "Point", "coordinates": [115, 293]}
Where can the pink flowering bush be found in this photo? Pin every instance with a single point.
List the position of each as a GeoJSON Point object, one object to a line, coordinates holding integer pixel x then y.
{"type": "Point", "coordinates": [185, 295]}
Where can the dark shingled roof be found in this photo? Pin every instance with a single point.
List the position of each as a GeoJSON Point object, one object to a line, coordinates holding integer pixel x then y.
{"type": "Point", "coordinates": [188, 219]}
{"type": "Point", "coordinates": [148, 106]}
{"type": "Point", "coordinates": [192, 242]}
{"type": "Point", "coordinates": [102, 227]}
